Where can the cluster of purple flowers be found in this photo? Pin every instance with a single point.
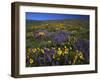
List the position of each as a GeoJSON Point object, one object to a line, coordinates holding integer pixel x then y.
{"type": "Point", "coordinates": [60, 37]}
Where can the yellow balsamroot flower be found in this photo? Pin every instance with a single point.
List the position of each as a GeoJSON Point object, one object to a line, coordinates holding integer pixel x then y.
{"type": "Point", "coordinates": [49, 41]}
{"type": "Point", "coordinates": [34, 50]}
{"type": "Point", "coordinates": [42, 50]}
{"type": "Point", "coordinates": [63, 53]}
{"type": "Point", "coordinates": [59, 51]}
{"type": "Point", "coordinates": [31, 61]}
{"type": "Point", "coordinates": [66, 50]}
{"type": "Point", "coordinates": [41, 33]}
{"type": "Point", "coordinates": [38, 49]}
{"type": "Point", "coordinates": [81, 55]}
{"type": "Point", "coordinates": [65, 47]}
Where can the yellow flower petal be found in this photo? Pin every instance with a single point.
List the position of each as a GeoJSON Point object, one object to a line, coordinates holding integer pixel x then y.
{"type": "Point", "coordinates": [42, 50]}
{"type": "Point", "coordinates": [38, 49]}
{"type": "Point", "coordinates": [59, 52]}
{"type": "Point", "coordinates": [49, 41]}
{"type": "Point", "coordinates": [65, 47]}
{"type": "Point", "coordinates": [41, 33]}
{"type": "Point", "coordinates": [31, 60]}
{"type": "Point", "coordinates": [34, 50]}
{"type": "Point", "coordinates": [81, 55]}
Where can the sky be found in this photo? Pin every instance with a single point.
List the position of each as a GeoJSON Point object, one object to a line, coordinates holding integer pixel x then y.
{"type": "Point", "coordinates": [53, 16]}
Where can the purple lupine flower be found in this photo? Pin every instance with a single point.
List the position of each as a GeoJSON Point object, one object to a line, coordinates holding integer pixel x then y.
{"type": "Point", "coordinates": [57, 63]}
{"type": "Point", "coordinates": [38, 60]}
{"type": "Point", "coordinates": [61, 36]}
{"type": "Point", "coordinates": [27, 60]}
{"type": "Point", "coordinates": [48, 58]}
{"type": "Point", "coordinates": [52, 51]}
{"type": "Point", "coordinates": [46, 50]}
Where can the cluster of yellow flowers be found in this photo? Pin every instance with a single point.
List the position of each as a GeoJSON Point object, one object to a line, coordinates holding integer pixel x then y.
{"type": "Point", "coordinates": [62, 52]}
{"type": "Point", "coordinates": [59, 51]}
{"type": "Point", "coordinates": [78, 54]}
{"type": "Point", "coordinates": [41, 33]}
{"type": "Point", "coordinates": [43, 26]}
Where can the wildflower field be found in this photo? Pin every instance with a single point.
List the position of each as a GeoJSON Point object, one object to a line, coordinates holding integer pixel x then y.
{"type": "Point", "coordinates": [57, 42]}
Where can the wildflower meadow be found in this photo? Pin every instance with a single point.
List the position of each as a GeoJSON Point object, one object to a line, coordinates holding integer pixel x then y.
{"type": "Point", "coordinates": [53, 42]}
